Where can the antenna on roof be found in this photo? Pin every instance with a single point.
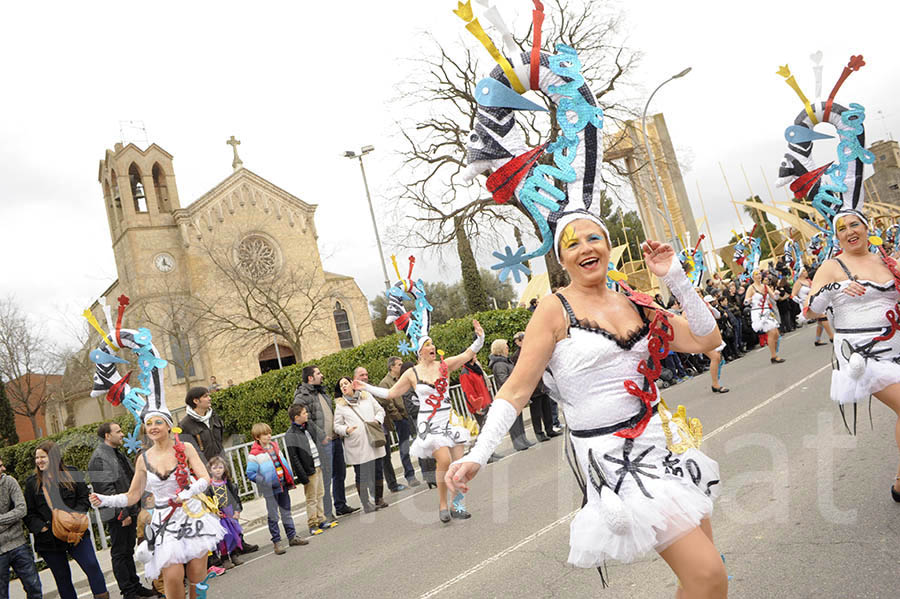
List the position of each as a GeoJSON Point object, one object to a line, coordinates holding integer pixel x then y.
{"type": "Point", "coordinates": [133, 132]}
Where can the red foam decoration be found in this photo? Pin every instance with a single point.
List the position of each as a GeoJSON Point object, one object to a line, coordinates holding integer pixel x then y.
{"type": "Point", "coordinates": [503, 182]}
{"type": "Point", "coordinates": [537, 16]}
{"type": "Point", "coordinates": [116, 393]}
{"type": "Point", "coordinates": [802, 184]}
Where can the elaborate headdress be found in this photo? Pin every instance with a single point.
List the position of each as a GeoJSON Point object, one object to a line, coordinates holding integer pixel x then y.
{"type": "Point", "coordinates": [497, 144]}
{"type": "Point", "coordinates": [747, 252]}
{"type": "Point", "coordinates": [692, 262]}
{"type": "Point", "coordinates": [416, 322]}
{"type": "Point", "coordinates": [144, 401]}
{"type": "Point", "coordinates": [843, 191]}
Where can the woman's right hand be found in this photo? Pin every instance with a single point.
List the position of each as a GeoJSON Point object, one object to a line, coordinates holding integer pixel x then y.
{"type": "Point", "coordinates": [855, 289]}
{"type": "Point", "coordinates": [459, 474]}
{"type": "Point", "coordinates": [350, 429]}
{"type": "Point", "coordinates": [95, 501]}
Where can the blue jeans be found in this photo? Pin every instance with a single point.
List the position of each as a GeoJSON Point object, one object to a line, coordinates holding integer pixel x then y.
{"type": "Point", "coordinates": [83, 553]}
{"type": "Point", "coordinates": [22, 563]}
{"type": "Point", "coordinates": [326, 457]}
{"type": "Point", "coordinates": [338, 475]}
{"type": "Point", "coordinates": [275, 503]}
{"type": "Point", "coordinates": [404, 432]}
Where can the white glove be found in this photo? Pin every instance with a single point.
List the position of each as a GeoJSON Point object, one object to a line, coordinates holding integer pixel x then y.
{"type": "Point", "coordinates": [477, 344]}
{"type": "Point", "coordinates": [500, 418]}
{"type": "Point", "coordinates": [199, 486]}
{"type": "Point", "coordinates": [694, 309]}
{"type": "Point", "coordinates": [119, 500]}
{"type": "Point", "coordinates": [379, 392]}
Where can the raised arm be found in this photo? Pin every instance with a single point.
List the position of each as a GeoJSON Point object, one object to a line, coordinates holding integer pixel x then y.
{"type": "Point", "coordinates": [457, 361]}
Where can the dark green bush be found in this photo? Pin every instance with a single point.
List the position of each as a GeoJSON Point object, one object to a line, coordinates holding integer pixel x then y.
{"type": "Point", "coordinates": [267, 397]}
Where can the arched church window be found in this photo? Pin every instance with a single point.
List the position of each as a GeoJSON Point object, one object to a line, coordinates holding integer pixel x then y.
{"type": "Point", "coordinates": [345, 335]}
{"type": "Point", "coordinates": [137, 189]}
{"type": "Point", "coordinates": [161, 188]}
{"type": "Point", "coordinates": [257, 257]}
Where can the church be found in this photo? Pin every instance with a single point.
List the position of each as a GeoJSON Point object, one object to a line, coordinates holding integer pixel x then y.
{"type": "Point", "coordinates": [230, 286]}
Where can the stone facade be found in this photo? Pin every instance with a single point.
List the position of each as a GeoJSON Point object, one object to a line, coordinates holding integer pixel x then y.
{"type": "Point", "coordinates": [884, 185]}
{"type": "Point", "coordinates": [170, 260]}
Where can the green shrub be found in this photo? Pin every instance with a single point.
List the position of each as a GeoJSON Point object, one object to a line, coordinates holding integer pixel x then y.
{"type": "Point", "coordinates": [267, 397]}
{"type": "Point", "coordinates": [77, 445]}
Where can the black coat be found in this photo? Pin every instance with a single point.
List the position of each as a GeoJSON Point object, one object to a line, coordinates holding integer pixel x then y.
{"type": "Point", "coordinates": [207, 439]}
{"type": "Point", "coordinates": [502, 367]}
{"type": "Point", "coordinates": [39, 515]}
{"type": "Point", "coordinates": [299, 452]}
{"type": "Point", "coordinates": [234, 499]}
{"type": "Point", "coordinates": [111, 472]}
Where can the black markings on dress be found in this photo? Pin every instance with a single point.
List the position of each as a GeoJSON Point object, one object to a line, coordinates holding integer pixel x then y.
{"type": "Point", "coordinates": [710, 484]}
{"type": "Point", "coordinates": [598, 480]}
{"type": "Point", "coordinates": [636, 468]}
{"type": "Point", "coordinates": [670, 462]}
{"type": "Point", "coordinates": [693, 470]}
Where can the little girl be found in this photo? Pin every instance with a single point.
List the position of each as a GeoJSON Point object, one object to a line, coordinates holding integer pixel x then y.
{"type": "Point", "coordinates": [226, 498]}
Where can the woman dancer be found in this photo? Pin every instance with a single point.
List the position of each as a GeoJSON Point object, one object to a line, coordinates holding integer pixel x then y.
{"type": "Point", "coordinates": [799, 294]}
{"type": "Point", "coordinates": [715, 355]}
{"type": "Point", "coordinates": [436, 436]}
{"type": "Point", "coordinates": [183, 531]}
{"type": "Point", "coordinates": [762, 315]}
{"type": "Point", "coordinates": [861, 289]}
{"type": "Point", "coordinates": [602, 350]}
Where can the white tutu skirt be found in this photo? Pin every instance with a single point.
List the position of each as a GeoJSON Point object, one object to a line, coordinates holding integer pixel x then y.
{"type": "Point", "coordinates": [855, 384]}
{"type": "Point", "coordinates": [179, 540]}
{"type": "Point", "coordinates": [763, 323]}
{"type": "Point", "coordinates": [650, 497]}
{"type": "Point", "coordinates": [436, 432]}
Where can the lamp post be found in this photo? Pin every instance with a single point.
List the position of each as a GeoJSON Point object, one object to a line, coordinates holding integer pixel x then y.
{"type": "Point", "coordinates": [351, 154]}
{"type": "Point", "coordinates": [662, 197]}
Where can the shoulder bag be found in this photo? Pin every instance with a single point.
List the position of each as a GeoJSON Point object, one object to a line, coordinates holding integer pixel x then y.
{"type": "Point", "coordinates": [66, 526]}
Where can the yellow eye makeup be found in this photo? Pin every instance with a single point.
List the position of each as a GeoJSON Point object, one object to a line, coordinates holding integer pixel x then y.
{"type": "Point", "coordinates": [568, 237]}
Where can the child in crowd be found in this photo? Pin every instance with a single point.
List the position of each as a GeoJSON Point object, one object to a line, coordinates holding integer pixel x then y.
{"type": "Point", "coordinates": [226, 498]}
{"type": "Point", "coordinates": [273, 478]}
{"type": "Point", "coordinates": [143, 519]}
{"type": "Point", "coordinates": [302, 440]}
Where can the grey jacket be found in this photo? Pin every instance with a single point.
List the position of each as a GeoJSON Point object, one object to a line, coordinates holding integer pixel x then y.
{"type": "Point", "coordinates": [308, 395]}
{"type": "Point", "coordinates": [502, 367]}
{"type": "Point", "coordinates": [12, 512]}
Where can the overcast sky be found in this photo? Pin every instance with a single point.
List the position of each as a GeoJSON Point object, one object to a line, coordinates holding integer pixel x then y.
{"type": "Point", "coordinates": [298, 83]}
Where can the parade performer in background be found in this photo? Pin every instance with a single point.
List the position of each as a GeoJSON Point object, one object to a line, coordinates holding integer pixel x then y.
{"type": "Point", "coordinates": [799, 293]}
{"type": "Point", "coordinates": [861, 290]}
{"type": "Point", "coordinates": [762, 315]}
{"type": "Point", "coordinates": [184, 528]}
{"type": "Point", "coordinates": [440, 433]}
{"type": "Point", "coordinates": [716, 361]}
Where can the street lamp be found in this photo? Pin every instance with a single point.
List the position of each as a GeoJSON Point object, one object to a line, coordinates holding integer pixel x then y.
{"type": "Point", "coordinates": [662, 197]}
{"type": "Point", "coordinates": [351, 154]}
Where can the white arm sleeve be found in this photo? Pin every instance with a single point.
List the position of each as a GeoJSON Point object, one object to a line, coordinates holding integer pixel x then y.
{"type": "Point", "coordinates": [716, 314]}
{"type": "Point", "coordinates": [197, 487]}
{"type": "Point", "coordinates": [477, 344]}
{"type": "Point", "coordinates": [694, 309]}
{"type": "Point", "coordinates": [379, 392]}
{"type": "Point", "coordinates": [119, 500]}
{"type": "Point", "coordinates": [500, 418]}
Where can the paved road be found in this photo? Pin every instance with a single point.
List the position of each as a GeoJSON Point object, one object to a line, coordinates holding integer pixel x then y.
{"type": "Point", "coordinates": [805, 511]}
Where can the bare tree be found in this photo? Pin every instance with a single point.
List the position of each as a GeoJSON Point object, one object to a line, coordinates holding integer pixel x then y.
{"type": "Point", "coordinates": [260, 297]}
{"type": "Point", "coordinates": [444, 83]}
{"type": "Point", "coordinates": [27, 362]}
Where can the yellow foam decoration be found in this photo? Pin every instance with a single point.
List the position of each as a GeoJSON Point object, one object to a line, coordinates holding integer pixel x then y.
{"type": "Point", "coordinates": [875, 240]}
{"type": "Point", "coordinates": [207, 506]}
{"type": "Point", "coordinates": [617, 276]}
{"type": "Point", "coordinates": [89, 316]}
{"type": "Point", "coordinates": [397, 270]}
{"type": "Point", "coordinates": [785, 71]}
{"type": "Point", "coordinates": [464, 12]}
{"type": "Point", "coordinates": [690, 431]}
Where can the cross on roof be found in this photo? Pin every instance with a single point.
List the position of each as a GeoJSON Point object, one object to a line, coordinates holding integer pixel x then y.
{"type": "Point", "coordinates": [234, 143]}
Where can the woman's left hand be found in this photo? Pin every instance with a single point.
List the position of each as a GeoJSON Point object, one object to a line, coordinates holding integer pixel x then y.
{"type": "Point", "coordinates": [477, 326]}
{"type": "Point", "coordinates": [658, 256]}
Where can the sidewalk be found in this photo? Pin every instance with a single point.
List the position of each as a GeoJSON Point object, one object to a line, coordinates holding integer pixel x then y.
{"type": "Point", "coordinates": [252, 518]}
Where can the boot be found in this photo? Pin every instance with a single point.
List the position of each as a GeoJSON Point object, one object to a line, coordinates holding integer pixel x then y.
{"type": "Point", "coordinates": [379, 495]}
{"type": "Point", "coordinates": [279, 548]}
{"type": "Point", "coordinates": [236, 558]}
{"type": "Point", "coordinates": [227, 563]}
{"type": "Point", "coordinates": [364, 498]}
{"type": "Point", "coordinates": [102, 596]}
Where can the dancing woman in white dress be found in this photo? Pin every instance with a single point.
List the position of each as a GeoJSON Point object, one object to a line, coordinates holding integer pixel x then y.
{"type": "Point", "coordinates": [762, 315]}
{"type": "Point", "coordinates": [649, 487]}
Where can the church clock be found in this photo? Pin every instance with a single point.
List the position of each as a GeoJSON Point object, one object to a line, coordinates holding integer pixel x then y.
{"type": "Point", "coordinates": [164, 262]}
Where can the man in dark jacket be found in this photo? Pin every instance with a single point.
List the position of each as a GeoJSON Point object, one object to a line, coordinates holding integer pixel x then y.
{"type": "Point", "coordinates": [111, 473]}
{"type": "Point", "coordinates": [502, 367]}
{"type": "Point", "coordinates": [312, 396]}
{"type": "Point", "coordinates": [202, 424]}
{"type": "Point", "coordinates": [15, 552]}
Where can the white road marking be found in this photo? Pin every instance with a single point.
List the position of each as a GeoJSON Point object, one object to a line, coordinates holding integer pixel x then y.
{"type": "Point", "coordinates": [552, 525]}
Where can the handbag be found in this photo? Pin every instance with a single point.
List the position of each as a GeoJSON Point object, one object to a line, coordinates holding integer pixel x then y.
{"type": "Point", "coordinates": [66, 526]}
{"type": "Point", "coordinates": [374, 432]}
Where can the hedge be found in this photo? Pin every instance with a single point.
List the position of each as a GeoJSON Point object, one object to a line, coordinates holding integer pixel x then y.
{"type": "Point", "coordinates": [267, 397]}
{"type": "Point", "coordinates": [77, 445]}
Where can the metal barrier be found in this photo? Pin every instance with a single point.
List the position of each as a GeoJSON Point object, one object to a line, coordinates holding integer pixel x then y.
{"type": "Point", "coordinates": [236, 455]}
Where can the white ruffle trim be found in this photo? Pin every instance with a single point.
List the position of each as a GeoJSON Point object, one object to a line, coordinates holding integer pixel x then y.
{"type": "Point", "coordinates": [878, 374]}
{"type": "Point", "coordinates": [179, 551]}
{"type": "Point", "coordinates": [425, 447]}
{"type": "Point", "coordinates": [763, 324]}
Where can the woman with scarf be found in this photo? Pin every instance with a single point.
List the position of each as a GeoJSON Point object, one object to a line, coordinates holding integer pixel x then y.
{"type": "Point", "coordinates": [861, 290]}
{"type": "Point", "coordinates": [647, 485]}
{"type": "Point", "coordinates": [352, 409]}
{"type": "Point", "coordinates": [436, 435]}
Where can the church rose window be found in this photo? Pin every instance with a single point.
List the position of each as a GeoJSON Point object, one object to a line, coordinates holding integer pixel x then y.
{"type": "Point", "coordinates": [256, 257]}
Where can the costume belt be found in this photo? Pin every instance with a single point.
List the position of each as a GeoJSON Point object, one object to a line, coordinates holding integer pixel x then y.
{"type": "Point", "coordinates": [614, 428]}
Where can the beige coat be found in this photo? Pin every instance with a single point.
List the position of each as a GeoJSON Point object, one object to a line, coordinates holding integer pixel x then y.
{"type": "Point", "coordinates": [356, 445]}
